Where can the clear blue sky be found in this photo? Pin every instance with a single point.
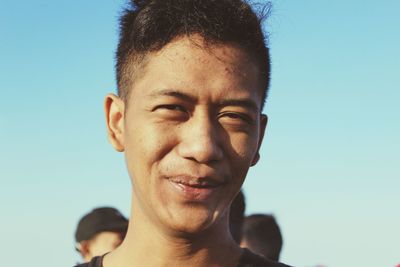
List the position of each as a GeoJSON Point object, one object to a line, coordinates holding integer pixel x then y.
{"type": "Point", "coordinates": [330, 160]}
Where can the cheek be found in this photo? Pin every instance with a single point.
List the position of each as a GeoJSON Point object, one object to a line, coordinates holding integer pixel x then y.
{"type": "Point", "coordinates": [242, 148]}
{"type": "Point", "coordinates": [146, 148]}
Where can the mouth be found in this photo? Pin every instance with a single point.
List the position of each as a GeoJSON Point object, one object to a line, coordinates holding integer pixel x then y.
{"type": "Point", "coordinates": [195, 182]}
{"type": "Point", "coordinates": [194, 188]}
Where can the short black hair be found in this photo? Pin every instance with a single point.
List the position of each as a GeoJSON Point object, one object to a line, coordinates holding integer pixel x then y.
{"type": "Point", "coordinates": [263, 235]}
{"type": "Point", "coordinates": [148, 25]}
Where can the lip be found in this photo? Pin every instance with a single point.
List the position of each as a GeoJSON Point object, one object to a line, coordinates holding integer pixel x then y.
{"type": "Point", "coordinates": [194, 188]}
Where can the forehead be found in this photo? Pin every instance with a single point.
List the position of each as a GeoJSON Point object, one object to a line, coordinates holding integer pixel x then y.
{"type": "Point", "coordinates": [191, 63]}
{"type": "Point", "coordinates": [109, 235]}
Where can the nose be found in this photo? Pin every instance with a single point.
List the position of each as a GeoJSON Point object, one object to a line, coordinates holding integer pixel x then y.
{"type": "Point", "coordinates": [200, 140]}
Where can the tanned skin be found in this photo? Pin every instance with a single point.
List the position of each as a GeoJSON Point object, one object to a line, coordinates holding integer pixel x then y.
{"type": "Point", "coordinates": [190, 130]}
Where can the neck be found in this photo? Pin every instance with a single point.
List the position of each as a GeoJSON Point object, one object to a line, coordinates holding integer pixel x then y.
{"type": "Point", "coordinates": [146, 242]}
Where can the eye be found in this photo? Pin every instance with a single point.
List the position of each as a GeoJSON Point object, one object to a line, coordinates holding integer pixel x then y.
{"type": "Point", "coordinates": [236, 117]}
{"type": "Point", "coordinates": [171, 112]}
{"type": "Point", "coordinates": [170, 108]}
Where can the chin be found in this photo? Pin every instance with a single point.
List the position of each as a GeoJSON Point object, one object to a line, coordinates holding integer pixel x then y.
{"type": "Point", "coordinates": [192, 221]}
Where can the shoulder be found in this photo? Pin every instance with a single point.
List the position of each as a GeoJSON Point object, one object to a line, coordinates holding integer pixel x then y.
{"type": "Point", "coordinates": [95, 262]}
{"type": "Point", "coordinates": [249, 259]}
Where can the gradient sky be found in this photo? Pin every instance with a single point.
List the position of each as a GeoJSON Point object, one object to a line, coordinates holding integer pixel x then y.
{"type": "Point", "coordinates": [330, 159]}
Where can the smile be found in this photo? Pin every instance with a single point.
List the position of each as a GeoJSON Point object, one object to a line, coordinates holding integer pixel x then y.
{"type": "Point", "coordinates": [194, 189]}
{"type": "Point", "coordinates": [195, 182]}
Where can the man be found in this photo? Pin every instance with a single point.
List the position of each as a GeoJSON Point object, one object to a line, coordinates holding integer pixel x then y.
{"type": "Point", "coordinates": [261, 234]}
{"type": "Point", "coordinates": [100, 231]}
{"type": "Point", "coordinates": [192, 78]}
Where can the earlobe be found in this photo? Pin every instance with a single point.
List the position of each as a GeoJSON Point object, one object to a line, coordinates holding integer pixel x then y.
{"type": "Point", "coordinates": [255, 159]}
{"type": "Point", "coordinates": [114, 109]}
{"type": "Point", "coordinates": [263, 126]}
{"type": "Point", "coordinates": [83, 248]}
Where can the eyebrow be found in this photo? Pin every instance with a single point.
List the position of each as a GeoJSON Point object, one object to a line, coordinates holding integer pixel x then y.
{"type": "Point", "coordinates": [245, 103]}
{"type": "Point", "coordinates": [173, 93]}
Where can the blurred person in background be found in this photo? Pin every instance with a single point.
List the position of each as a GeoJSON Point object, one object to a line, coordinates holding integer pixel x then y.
{"type": "Point", "coordinates": [99, 232]}
{"type": "Point", "coordinates": [262, 235]}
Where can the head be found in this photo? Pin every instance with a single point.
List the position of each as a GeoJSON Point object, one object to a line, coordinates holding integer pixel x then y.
{"type": "Point", "coordinates": [261, 234]}
{"type": "Point", "coordinates": [100, 231]}
{"type": "Point", "coordinates": [192, 79]}
{"type": "Point", "coordinates": [149, 25]}
{"type": "Point", "coordinates": [236, 216]}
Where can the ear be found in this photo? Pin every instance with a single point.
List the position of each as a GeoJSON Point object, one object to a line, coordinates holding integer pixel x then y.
{"type": "Point", "coordinates": [263, 126]}
{"type": "Point", "coordinates": [114, 108]}
{"type": "Point", "coordinates": [83, 248]}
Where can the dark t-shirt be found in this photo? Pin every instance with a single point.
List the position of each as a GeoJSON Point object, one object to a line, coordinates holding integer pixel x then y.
{"type": "Point", "coordinates": [248, 259]}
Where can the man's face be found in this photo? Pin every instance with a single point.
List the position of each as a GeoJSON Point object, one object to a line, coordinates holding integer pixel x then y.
{"type": "Point", "coordinates": [190, 130]}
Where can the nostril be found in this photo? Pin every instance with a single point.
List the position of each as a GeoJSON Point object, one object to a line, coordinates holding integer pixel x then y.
{"type": "Point", "coordinates": [203, 148]}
